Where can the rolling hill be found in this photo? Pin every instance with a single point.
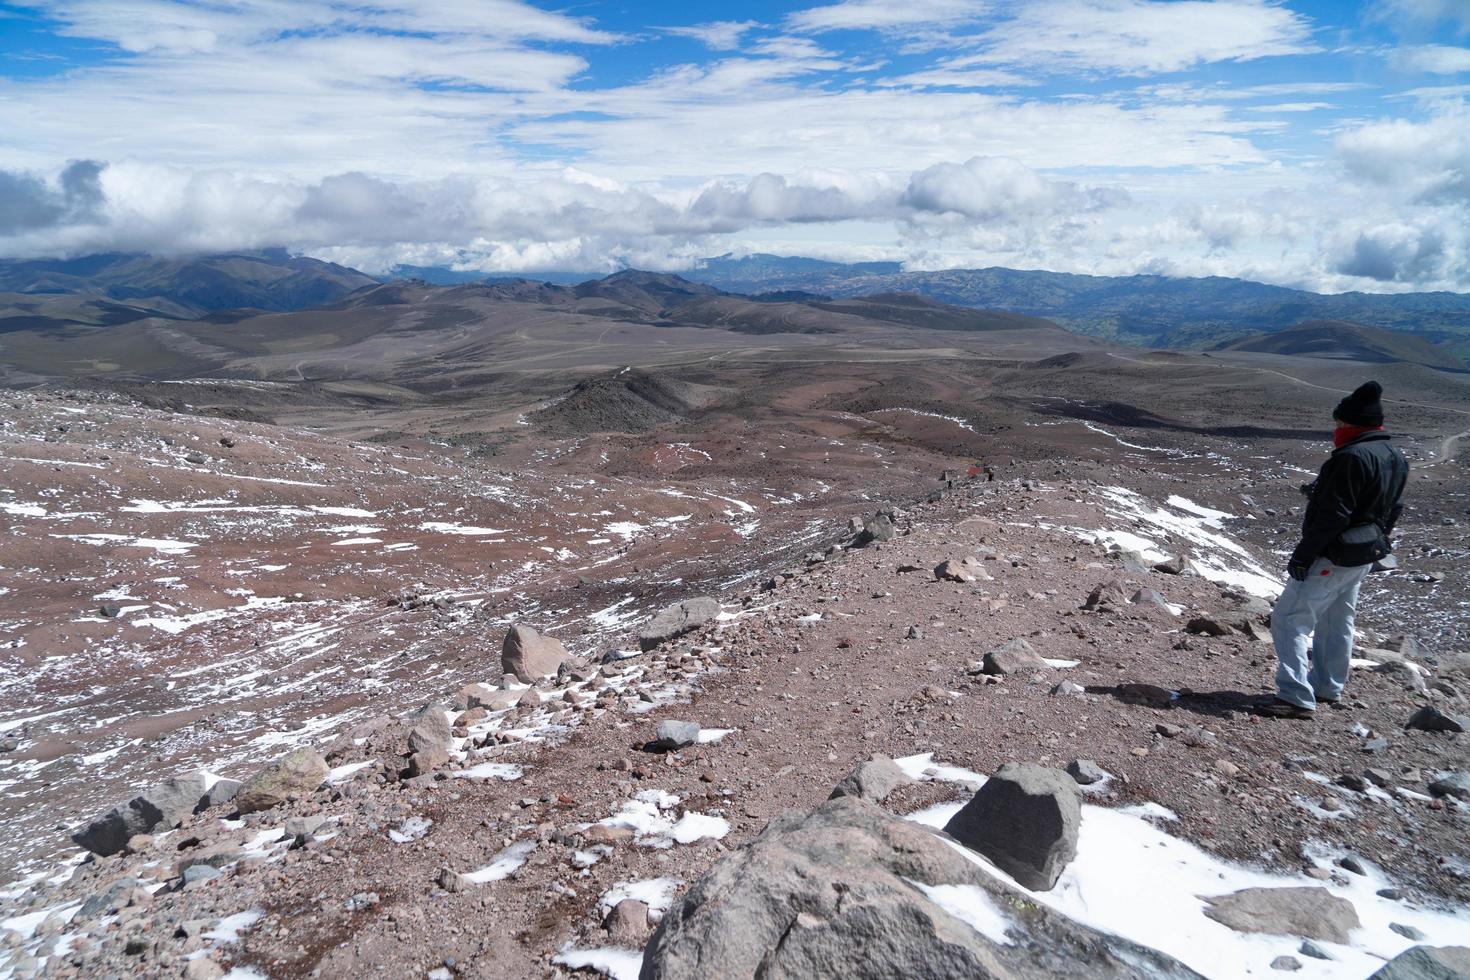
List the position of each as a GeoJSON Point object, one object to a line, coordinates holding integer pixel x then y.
{"type": "Point", "coordinates": [1341, 340]}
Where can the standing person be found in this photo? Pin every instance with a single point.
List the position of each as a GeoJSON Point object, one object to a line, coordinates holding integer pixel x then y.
{"type": "Point", "coordinates": [1351, 511]}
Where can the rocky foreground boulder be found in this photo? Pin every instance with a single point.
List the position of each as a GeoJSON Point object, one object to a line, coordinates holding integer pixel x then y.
{"type": "Point", "coordinates": [1026, 819]}
{"type": "Point", "coordinates": [529, 655]}
{"type": "Point", "coordinates": [1309, 912]}
{"type": "Point", "coordinates": [850, 890]}
{"type": "Point", "coordinates": [1427, 963]}
{"type": "Point", "coordinates": [295, 775]}
{"type": "Point", "coordinates": [161, 807]}
{"type": "Point", "coordinates": [674, 621]}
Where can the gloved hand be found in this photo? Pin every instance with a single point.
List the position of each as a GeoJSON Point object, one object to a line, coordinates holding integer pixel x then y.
{"type": "Point", "coordinates": [1308, 489]}
{"type": "Point", "coordinates": [1298, 572]}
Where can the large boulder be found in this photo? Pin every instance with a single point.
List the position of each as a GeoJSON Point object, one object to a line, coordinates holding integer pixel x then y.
{"type": "Point", "coordinates": [1308, 912]}
{"type": "Point", "coordinates": [1427, 963]}
{"type": "Point", "coordinates": [529, 655]}
{"type": "Point", "coordinates": [1431, 719]}
{"type": "Point", "coordinates": [1014, 657]}
{"type": "Point", "coordinates": [852, 891]}
{"type": "Point", "coordinates": [429, 730]}
{"type": "Point", "coordinates": [295, 775]}
{"type": "Point", "coordinates": [676, 620]}
{"type": "Point", "coordinates": [875, 530]}
{"type": "Point", "coordinates": [167, 804]}
{"type": "Point", "coordinates": [1025, 819]}
{"type": "Point", "coordinates": [109, 831]}
{"type": "Point", "coordinates": [872, 779]}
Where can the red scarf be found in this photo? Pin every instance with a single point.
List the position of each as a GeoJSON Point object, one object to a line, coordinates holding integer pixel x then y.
{"type": "Point", "coordinates": [1345, 434]}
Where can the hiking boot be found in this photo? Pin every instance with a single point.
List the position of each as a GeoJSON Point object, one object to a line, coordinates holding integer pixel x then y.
{"type": "Point", "coordinates": [1285, 709]}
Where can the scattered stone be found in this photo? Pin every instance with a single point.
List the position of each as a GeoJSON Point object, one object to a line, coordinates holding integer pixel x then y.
{"type": "Point", "coordinates": [1086, 772]}
{"type": "Point", "coordinates": [1311, 949]}
{"type": "Point", "coordinates": [1178, 565]}
{"type": "Point", "coordinates": [295, 775]}
{"type": "Point", "coordinates": [109, 610]}
{"type": "Point", "coordinates": [627, 924]}
{"type": "Point", "coordinates": [1427, 963]}
{"type": "Point", "coordinates": [676, 734]}
{"type": "Point", "coordinates": [452, 881]}
{"type": "Point", "coordinates": [807, 897]}
{"type": "Point", "coordinates": [951, 570]}
{"type": "Point", "coordinates": [361, 901]}
{"type": "Point", "coordinates": [1378, 778]}
{"type": "Point", "coordinates": [1068, 688]}
{"type": "Point", "coordinates": [1152, 599]}
{"type": "Point", "coordinates": [222, 792]}
{"type": "Point", "coordinates": [1350, 863]}
{"type": "Point", "coordinates": [1456, 784]}
{"type": "Point", "coordinates": [429, 729]}
{"type": "Point", "coordinates": [872, 779]}
{"type": "Point", "coordinates": [529, 656]}
{"type": "Point", "coordinates": [298, 827]}
{"type": "Point", "coordinates": [1286, 963]}
{"type": "Point", "coordinates": [199, 872]}
{"type": "Point", "coordinates": [876, 529]}
{"type": "Point", "coordinates": [1025, 819]}
{"type": "Point", "coordinates": [1308, 912]}
{"type": "Point", "coordinates": [1014, 657]}
{"type": "Point", "coordinates": [1105, 596]}
{"type": "Point", "coordinates": [1148, 694]}
{"type": "Point", "coordinates": [675, 621]}
{"type": "Point", "coordinates": [1408, 932]}
{"type": "Point", "coordinates": [1431, 719]}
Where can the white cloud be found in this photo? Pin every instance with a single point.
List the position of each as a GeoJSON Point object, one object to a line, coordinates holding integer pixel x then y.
{"type": "Point", "coordinates": [720, 35]}
{"type": "Point", "coordinates": [1419, 13]}
{"type": "Point", "coordinates": [1436, 59]}
{"type": "Point", "coordinates": [1144, 36]}
{"type": "Point", "coordinates": [1426, 162]}
{"type": "Point", "coordinates": [887, 15]}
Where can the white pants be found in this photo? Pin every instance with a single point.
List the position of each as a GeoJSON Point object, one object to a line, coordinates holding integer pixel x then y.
{"type": "Point", "coordinates": [1312, 627]}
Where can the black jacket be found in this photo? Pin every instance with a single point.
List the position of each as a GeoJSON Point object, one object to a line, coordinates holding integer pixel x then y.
{"type": "Point", "coordinates": [1359, 487]}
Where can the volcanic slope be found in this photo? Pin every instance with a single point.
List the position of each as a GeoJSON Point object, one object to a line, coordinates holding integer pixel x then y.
{"type": "Point", "coordinates": [557, 807]}
{"type": "Point", "coordinates": [1349, 342]}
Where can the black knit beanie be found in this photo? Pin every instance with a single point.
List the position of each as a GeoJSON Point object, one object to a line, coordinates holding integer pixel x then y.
{"type": "Point", "coordinates": [1362, 407]}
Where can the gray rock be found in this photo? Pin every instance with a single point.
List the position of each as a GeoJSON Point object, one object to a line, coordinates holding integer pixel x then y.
{"type": "Point", "coordinates": [876, 529]}
{"type": "Point", "coordinates": [1308, 912]}
{"type": "Point", "coordinates": [1105, 595]}
{"type": "Point", "coordinates": [1025, 819]}
{"type": "Point", "coordinates": [1068, 688]}
{"type": "Point", "coordinates": [1408, 932]}
{"type": "Point", "coordinates": [872, 780]}
{"type": "Point", "coordinates": [1178, 565]}
{"type": "Point", "coordinates": [165, 805]}
{"type": "Point", "coordinates": [118, 894]}
{"type": "Point", "coordinates": [1290, 964]}
{"type": "Point", "coordinates": [199, 872]}
{"type": "Point", "coordinates": [1456, 784]}
{"type": "Point", "coordinates": [1352, 864]}
{"type": "Point", "coordinates": [303, 826]}
{"type": "Point", "coordinates": [529, 656]}
{"type": "Point", "coordinates": [840, 892]}
{"type": "Point", "coordinates": [1309, 948]}
{"type": "Point", "coordinates": [1431, 719]}
{"type": "Point", "coordinates": [676, 620]}
{"type": "Point", "coordinates": [1427, 963]}
{"type": "Point", "coordinates": [1016, 656]}
{"type": "Point", "coordinates": [1151, 599]}
{"type": "Point", "coordinates": [627, 924]}
{"type": "Point", "coordinates": [1085, 772]}
{"type": "Point", "coordinates": [1401, 673]}
{"type": "Point", "coordinates": [109, 832]}
{"type": "Point", "coordinates": [429, 729]}
{"type": "Point", "coordinates": [425, 761]}
{"type": "Point", "coordinates": [673, 734]}
{"type": "Point", "coordinates": [295, 775]}
{"type": "Point", "coordinates": [214, 855]}
{"type": "Point", "coordinates": [109, 610]}
{"type": "Point", "coordinates": [951, 570]}
{"type": "Point", "coordinates": [222, 792]}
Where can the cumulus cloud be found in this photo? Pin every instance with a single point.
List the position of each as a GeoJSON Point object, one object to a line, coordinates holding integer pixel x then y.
{"type": "Point", "coordinates": [886, 15]}
{"type": "Point", "coordinates": [1395, 252]}
{"type": "Point", "coordinates": [1429, 162]}
{"type": "Point", "coordinates": [999, 190]}
{"type": "Point", "coordinates": [29, 203]}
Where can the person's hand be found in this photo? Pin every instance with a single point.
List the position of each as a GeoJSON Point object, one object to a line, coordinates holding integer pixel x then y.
{"type": "Point", "coordinates": [1298, 571]}
{"type": "Point", "coordinates": [1308, 489]}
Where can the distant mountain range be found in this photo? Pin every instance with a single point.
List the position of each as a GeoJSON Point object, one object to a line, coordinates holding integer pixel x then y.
{"type": "Point", "coordinates": [1146, 311]}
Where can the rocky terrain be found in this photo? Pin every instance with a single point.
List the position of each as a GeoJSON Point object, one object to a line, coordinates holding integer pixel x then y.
{"type": "Point", "coordinates": [555, 670]}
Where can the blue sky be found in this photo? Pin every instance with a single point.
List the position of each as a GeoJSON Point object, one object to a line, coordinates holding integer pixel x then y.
{"type": "Point", "coordinates": [1317, 144]}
